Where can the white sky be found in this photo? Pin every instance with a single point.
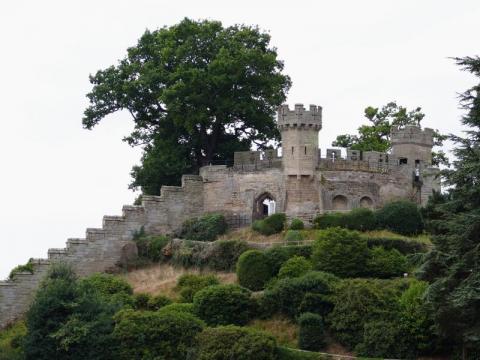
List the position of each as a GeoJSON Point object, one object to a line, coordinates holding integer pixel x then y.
{"type": "Point", "coordinates": [57, 179]}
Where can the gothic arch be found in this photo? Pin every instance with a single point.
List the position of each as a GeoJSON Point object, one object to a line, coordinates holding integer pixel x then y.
{"type": "Point", "coordinates": [263, 205]}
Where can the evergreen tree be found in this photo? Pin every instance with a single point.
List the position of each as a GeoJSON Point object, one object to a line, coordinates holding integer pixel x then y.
{"type": "Point", "coordinates": [453, 267]}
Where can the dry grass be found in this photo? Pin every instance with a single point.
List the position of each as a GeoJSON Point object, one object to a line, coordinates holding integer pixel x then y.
{"type": "Point", "coordinates": [247, 234]}
{"type": "Point", "coordinates": [162, 278]}
{"type": "Point", "coordinates": [281, 328]}
{"type": "Point", "coordinates": [422, 238]}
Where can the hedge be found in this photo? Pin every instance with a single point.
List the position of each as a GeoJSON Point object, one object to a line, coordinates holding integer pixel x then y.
{"type": "Point", "coordinates": [296, 224]}
{"type": "Point", "coordinates": [272, 224]}
{"type": "Point", "coordinates": [205, 228]}
{"type": "Point", "coordinates": [295, 267]}
{"type": "Point", "coordinates": [404, 246]}
{"type": "Point", "coordinates": [253, 270]}
{"type": "Point", "coordinates": [311, 334]}
{"type": "Point", "coordinates": [402, 217]}
{"type": "Point", "coordinates": [233, 342]}
{"type": "Point", "coordinates": [223, 305]}
{"type": "Point", "coordinates": [189, 284]}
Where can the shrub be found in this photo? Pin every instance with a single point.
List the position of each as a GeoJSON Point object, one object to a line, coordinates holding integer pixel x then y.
{"type": "Point", "coordinates": [189, 284]}
{"type": "Point", "coordinates": [341, 252]}
{"type": "Point", "coordinates": [158, 302]}
{"type": "Point", "coordinates": [223, 305]}
{"type": "Point", "coordinates": [357, 302]}
{"type": "Point", "coordinates": [293, 235]}
{"type": "Point", "coordinates": [404, 246]}
{"type": "Point", "coordinates": [150, 247]}
{"type": "Point", "coordinates": [106, 285]}
{"type": "Point", "coordinates": [272, 224]}
{"type": "Point", "coordinates": [224, 254]}
{"type": "Point", "coordinates": [141, 301]}
{"type": "Point", "coordinates": [159, 335]}
{"type": "Point", "coordinates": [402, 217]}
{"type": "Point", "coordinates": [205, 228]}
{"type": "Point", "coordinates": [233, 342]}
{"type": "Point", "coordinates": [11, 339]}
{"type": "Point", "coordinates": [28, 267]}
{"type": "Point", "coordinates": [328, 220]}
{"type": "Point", "coordinates": [385, 264]}
{"type": "Point", "coordinates": [286, 295]}
{"type": "Point", "coordinates": [180, 307]}
{"type": "Point", "coordinates": [296, 224]}
{"type": "Point", "coordinates": [361, 219]}
{"type": "Point", "coordinates": [253, 271]}
{"type": "Point", "coordinates": [316, 303]}
{"type": "Point", "coordinates": [311, 333]}
{"type": "Point", "coordinates": [295, 267]}
{"type": "Point", "coordinates": [277, 255]}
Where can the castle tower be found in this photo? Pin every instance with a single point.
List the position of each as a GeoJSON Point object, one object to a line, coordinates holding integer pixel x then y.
{"type": "Point", "coordinates": [412, 146]}
{"type": "Point", "coordinates": [299, 130]}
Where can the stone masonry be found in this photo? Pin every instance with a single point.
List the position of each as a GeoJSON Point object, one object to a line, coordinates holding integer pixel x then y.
{"type": "Point", "coordinates": [300, 183]}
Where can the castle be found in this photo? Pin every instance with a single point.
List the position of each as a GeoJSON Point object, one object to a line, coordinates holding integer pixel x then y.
{"type": "Point", "coordinates": [301, 183]}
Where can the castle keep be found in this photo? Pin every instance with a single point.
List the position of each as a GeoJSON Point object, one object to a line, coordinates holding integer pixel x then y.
{"type": "Point", "coordinates": [302, 182]}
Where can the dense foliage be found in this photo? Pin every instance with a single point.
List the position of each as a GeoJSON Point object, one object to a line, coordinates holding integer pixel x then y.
{"type": "Point", "coordinates": [295, 267]}
{"type": "Point", "coordinates": [189, 284]}
{"type": "Point", "coordinates": [312, 332]}
{"type": "Point", "coordinates": [197, 92]}
{"type": "Point", "coordinates": [253, 270]}
{"type": "Point", "coordinates": [270, 225]}
{"type": "Point", "coordinates": [233, 342]}
{"type": "Point", "coordinates": [401, 216]}
{"type": "Point", "coordinates": [296, 224]}
{"type": "Point", "coordinates": [205, 228]}
{"type": "Point", "coordinates": [223, 305]}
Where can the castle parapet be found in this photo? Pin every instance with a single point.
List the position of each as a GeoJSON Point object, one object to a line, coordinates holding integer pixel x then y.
{"type": "Point", "coordinates": [412, 134]}
{"type": "Point", "coordinates": [299, 117]}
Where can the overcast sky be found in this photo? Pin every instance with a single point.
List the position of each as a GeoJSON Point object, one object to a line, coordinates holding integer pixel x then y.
{"type": "Point", "coordinates": [57, 179]}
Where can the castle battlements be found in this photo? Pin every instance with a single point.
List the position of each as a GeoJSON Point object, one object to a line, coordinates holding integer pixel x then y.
{"type": "Point", "coordinates": [412, 134]}
{"type": "Point", "coordinates": [299, 117]}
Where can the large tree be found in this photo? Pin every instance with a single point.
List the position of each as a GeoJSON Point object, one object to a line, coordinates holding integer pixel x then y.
{"type": "Point", "coordinates": [376, 135]}
{"type": "Point", "coordinates": [193, 90]}
{"type": "Point", "coordinates": [453, 267]}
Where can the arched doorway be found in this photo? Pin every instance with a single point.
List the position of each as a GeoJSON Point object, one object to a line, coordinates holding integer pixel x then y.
{"type": "Point", "coordinates": [340, 202]}
{"type": "Point", "coordinates": [264, 206]}
{"type": "Point", "coordinates": [366, 202]}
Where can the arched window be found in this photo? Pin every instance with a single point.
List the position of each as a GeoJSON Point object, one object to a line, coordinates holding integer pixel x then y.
{"type": "Point", "coordinates": [366, 202]}
{"type": "Point", "coordinates": [340, 202]}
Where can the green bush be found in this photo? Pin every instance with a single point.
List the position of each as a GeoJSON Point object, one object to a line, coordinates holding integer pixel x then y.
{"type": "Point", "coordinates": [277, 255]}
{"type": "Point", "coordinates": [205, 228]}
{"type": "Point", "coordinates": [105, 284]}
{"type": "Point", "coordinates": [155, 335]}
{"type": "Point", "coordinates": [328, 220]}
{"type": "Point", "coordinates": [404, 246]}
{"type": "Point", "coordinates": [11, 339]}
{"type": "Point", "coordinates": [386, 264]}
{"type": "Point", "coordinates": [296, 224]}
{"type": "Point", "coordinates": [295, 267]}
{"type": "Point", "coordinates": [180, 307]}
{"type": "Point", "coordinates": [233, 342]}
{"type": "Point", "coordinates": [141, 301]}
{"type": "Point", "coordinates": [157, 302]}
{"type": "Point", "coordinates": [253, 270]}
{"type": "Point", "coordinates": [311, 335]}
{"type": "Point", "coordinates": [272, 224]}
{"type": "Point", "coordinates": [28, 267]}
{"type": "Point", "coordinates": [150, 246]}
{"type": "Point", "coordinates": [402, 217]}
{"type": "Point", "coordinates": [358, 302]}
{"type": "Point", "coordinates": [360, 219]}
{"type": "Point", "coordinates": [189, 284]}
{"type": "Point", "coordinates": [293, 236]}
{"type": "Point", "coordinates": [341, 252]}
{"type": "Point", "coordinates": [286, 295]}
{"type": "Point", "coordinates": [224, 254]}
{"type": "Point", "coordinates": [223, 305]}
{"type": "Point", "coordinates": [316, 303]}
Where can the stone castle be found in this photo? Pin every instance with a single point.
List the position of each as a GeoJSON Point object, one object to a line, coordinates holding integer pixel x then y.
{"type": "Point", "coordinates": [302, 183]}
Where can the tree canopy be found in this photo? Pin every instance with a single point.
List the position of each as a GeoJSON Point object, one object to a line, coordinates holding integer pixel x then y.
{"type": "Point", "coordinates": [376, 135]}
{"type": "Point", "coordinates": [197, 91]}
{"type": "Point", "coordinates": [453, 267]}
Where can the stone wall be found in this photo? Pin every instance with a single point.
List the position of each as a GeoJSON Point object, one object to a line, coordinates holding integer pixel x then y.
{"type": "Point", "coordinates": [101, 249]}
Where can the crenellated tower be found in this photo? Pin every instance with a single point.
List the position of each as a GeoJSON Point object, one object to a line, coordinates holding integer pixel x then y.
{"type": "Point", "coordinates": [412, 146]}
{"type": "Point", "coordinates": [299, 130]}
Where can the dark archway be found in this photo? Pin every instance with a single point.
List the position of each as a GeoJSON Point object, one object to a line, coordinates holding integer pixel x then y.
{"type": "Point", "coordinates": [366, 202]}
{"type": "Point", "coordinates": [263, 206]}
{"type": "Point", "coordinates": [340, 202]}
